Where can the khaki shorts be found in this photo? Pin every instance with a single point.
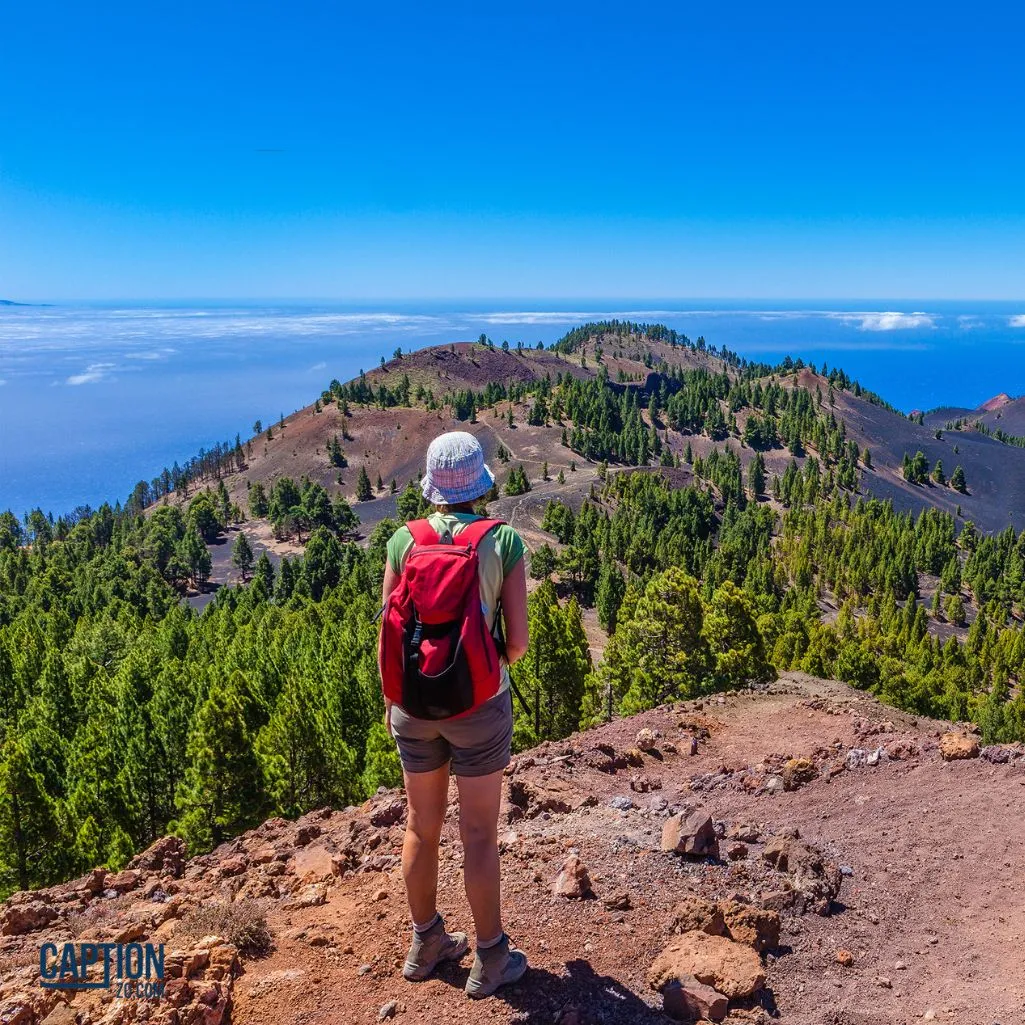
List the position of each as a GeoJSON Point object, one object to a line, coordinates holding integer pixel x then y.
{"type": "Point", "coordinates": [477, 744]}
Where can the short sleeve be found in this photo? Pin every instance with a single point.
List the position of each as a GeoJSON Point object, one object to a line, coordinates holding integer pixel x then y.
{"type": "Point", "coordinates": [398, 545]}
{"type": "Point", "coordinates": [509, 546]}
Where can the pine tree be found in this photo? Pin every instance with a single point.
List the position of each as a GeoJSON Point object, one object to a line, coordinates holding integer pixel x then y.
{"type": "Point", "coordinates": [364, 492]}
{"type": "Point", "coordinates": [221, 793]}
{"type": "Point", "coordinates": [660, 652]}
{"type": "Point", "coordinates": [733, 639]}
{"type": "Point", "coordinates": [263, 576]}
{"type": "Point", "coordinates": [756, 475]}
{"type": "Point", "coordinates": [383, 768]}
{"type": "Point", "coordinates": [609, 597]}
{"type": "Point", "coordinates": [30, 834]}
{"type": "Point", "coordinates": [958, 481]}
{"type": "Point", "coordinates": [542, 562]}
{"type": "Point", "coordinates": [258, 506]}
{"type": "Point", "coordinates": [291, 751]}
{"type": "Point", "coordinates": [242, 554]}
{"type": "Point", "coordinates": [551, 675]}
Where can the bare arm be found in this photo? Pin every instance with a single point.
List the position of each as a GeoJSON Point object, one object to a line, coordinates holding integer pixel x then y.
{"type": "Point", "coordinates": [391, 580]}
{"type": "Point", "coordinates": [514, 612]}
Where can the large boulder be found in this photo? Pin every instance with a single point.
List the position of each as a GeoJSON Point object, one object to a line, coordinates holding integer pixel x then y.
{"type": "Point", "coordinates": [692, 833]}
{"type": "Point", "coordinates": [730, 968]}
{"type": "Point", "coordinates": [957, 746]}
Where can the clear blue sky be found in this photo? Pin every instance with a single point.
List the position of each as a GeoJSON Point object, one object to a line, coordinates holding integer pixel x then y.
{"type": "Point", "coordinates": [365, 151]}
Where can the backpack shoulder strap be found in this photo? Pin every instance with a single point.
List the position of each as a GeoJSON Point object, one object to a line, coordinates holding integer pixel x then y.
{"type": "Point", "coordinates": [473, 533]}
{"type": "Point", "coordinates": [423, 533]}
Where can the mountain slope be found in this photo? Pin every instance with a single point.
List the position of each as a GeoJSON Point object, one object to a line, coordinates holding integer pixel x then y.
{"type": "Point", "coordinates": [390, 443]}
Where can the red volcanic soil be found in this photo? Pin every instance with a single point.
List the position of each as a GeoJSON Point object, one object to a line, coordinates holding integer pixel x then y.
{"type": "Point", "coordinates": [927, 924]}
{"type": "Point", "coordinates": [993, 404]}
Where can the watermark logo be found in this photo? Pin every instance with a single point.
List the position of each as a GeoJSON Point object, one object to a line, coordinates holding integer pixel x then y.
{"type": "Point", "coordinates": [129, 969]}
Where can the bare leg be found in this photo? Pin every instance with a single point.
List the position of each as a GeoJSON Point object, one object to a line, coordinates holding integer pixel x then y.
{"type": "Point", "coordinates": [479, 801]}
{"type": "Point", "coordinates": [427, 796]}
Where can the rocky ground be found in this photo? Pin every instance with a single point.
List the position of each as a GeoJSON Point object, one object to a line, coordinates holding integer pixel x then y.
{"type": "Point", "coordinates": [802, 854]}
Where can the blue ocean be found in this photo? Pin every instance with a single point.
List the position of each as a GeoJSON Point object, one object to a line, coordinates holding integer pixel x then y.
{"type": "Point", "coordinates": [94, 398]}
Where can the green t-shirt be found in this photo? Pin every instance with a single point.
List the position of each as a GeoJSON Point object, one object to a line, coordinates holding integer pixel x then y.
{"type": "Point", "coordinates": [498, 553]}
{"type": "Point", "coordinates": [497, 556]}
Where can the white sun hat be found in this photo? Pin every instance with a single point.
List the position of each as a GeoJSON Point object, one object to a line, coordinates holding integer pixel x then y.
{"type": "Point", "coordinates": [456, 471]}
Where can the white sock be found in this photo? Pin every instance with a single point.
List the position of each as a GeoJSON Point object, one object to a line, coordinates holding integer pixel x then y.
{"type": "Point", "coordinates": [488, 944]}
{"type": "Point", "coordinates": [431, 923]}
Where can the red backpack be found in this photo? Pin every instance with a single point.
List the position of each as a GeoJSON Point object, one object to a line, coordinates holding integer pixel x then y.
{"type": "Point", "coordinates": [437, 656]}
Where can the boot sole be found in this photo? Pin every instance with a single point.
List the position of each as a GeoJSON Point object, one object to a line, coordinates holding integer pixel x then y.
{"type": "Point", "coordinates": [419, 973]}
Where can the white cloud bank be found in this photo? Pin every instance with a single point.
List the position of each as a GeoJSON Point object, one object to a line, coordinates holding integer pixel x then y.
{"type": "Point", "coordinates": [1018, 320]}
{"type": "Point", "coordinates": [94, 373]}
{"type": "Point", "coordinates": [888, 321]}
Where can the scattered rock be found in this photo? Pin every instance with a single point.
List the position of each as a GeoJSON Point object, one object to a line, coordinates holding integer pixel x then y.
{"type": "Point", "coordinates": [124, 881]}
{"type": "Point", "coordinates": [756, 927]}
{"type": "Point", "coordinates": [618, 901]}
{"type": "Point", "coordinates": [997, 754]}
{"type": "Point", "coordinates": [797, 772]}
{"type": "Point", "coordinates": [731, 968]}
{"type": "Point", "coordinates": [166, 856]}
{"type": "Point", "coordinates": [745, 832]}
{"type": "Point", "coordinates": [573, 880]}
{"type": "Point", "coordinates": [621, 803]}
{"type": "Point", "coordinates": [691, 833]}
{"type": "Point", "coordinates": [844, 958]}
{"type": "Point", "coordinates": [737, 851]}
{"type": "Point", "coordinates": [644, 784]}
{"type": "Point", "coordinates": [21, 918]}
{"type": "Point", "coordinates": [646, 739]}
{"type": "Point", "coordinates": [856, 758]}
{"type": "Point", "coordinates": [306, 833]}
{"type": "Point", "coordinates": [315, 864]}
{"type": "Point", "coordinates": [698, 914]}
{"type": "Point", "coordinates": [956, 746]}
{"type": "Point", "coordinates": [388, 1010]}
{"type": "Point", "coordinates": [689, 1000]}
{"type": "Point", "coordinates": [389, 813]}
{"type": "Point", "coordinates": [813, 880]}
{"type": "Point", "coordinates": [309, 896]}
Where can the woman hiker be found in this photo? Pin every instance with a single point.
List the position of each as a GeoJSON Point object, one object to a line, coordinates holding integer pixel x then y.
{"type": "Point", "coordinates": [474, 746]}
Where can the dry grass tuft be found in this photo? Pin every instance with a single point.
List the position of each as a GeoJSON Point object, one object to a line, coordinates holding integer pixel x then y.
{"type": "Point", "coordinates": [243, 924]}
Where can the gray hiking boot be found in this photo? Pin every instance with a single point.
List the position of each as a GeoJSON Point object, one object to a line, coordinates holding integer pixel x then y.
{"type": "Point", "coordinates": [496, 966]}
{"type": "Point", "coordinates": [429, 949]}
